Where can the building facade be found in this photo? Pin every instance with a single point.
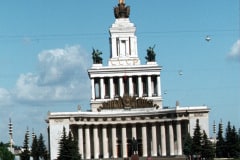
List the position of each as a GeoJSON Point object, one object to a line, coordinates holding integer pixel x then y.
{"type": "Point", "coordinates": [127, 115]}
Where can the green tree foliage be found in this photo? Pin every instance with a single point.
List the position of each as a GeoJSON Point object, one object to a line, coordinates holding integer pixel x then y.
{"type": "Point", "coordinates": [198, 145]}
{"type": "Point", "coordinates": [73, 147]}
{"type": "Point", "coordinates": [187, 145]}
{"type": "Point", "coordinates": [68, 148]}
{"type": "Point", "coordinates": [39, 150]}
{"type": "Point", "coordinates": [35, 152]}
{"type": "Point", "coordinates": [197, 139]}
{"type": "Point", "coordinates": [5, 154]}
{"type": "Point", "coordinates": [220, 144]}
{"type": "Point", "coordinates": [25, 155]}
{"type": "Point", "coordinates": [43, 154]}
{"type": "Point", "coordinates": [208, 151]}
{"type": "Point", "coordinates": [232, 142]}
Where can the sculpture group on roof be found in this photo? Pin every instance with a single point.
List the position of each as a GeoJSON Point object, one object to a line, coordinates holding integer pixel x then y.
{"type": "Point", "coordinates": [96, 56]}
{"type": "Point", "coordinates": [150, 54]}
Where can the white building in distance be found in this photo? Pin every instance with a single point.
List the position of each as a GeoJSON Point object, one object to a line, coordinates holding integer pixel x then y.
{"type": "Point", "coordinates": [127, 115]}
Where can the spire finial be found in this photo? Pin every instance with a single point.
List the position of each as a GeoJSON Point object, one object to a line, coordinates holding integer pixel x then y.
{"type": "Point", "coordinates": [121, 1]}
{"type": "Point", "coordinates": [121, 11]}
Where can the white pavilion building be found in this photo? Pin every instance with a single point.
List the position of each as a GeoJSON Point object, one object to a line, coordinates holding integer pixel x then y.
{"type": "Point", "coordinates": [126, 105]}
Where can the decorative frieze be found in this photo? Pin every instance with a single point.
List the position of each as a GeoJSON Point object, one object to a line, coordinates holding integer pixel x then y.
{"type": "Point", "coordinates": [127, 102]}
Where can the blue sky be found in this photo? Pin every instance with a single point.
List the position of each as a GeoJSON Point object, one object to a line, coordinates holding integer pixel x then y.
{"type": "Point", "coordinates": [45, 51]}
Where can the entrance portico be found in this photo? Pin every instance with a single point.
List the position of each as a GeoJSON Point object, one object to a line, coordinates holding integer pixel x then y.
{"type": "Point", "coordinates": [112, 136]}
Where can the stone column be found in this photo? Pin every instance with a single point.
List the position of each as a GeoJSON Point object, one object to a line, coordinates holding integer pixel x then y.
{"type": "Point", "coordinates": [87, 143]}
{"type": "Point", "coordinates": [134, 131]}
{"type": "Point", "coordinates": [105, 142]}
{"type": "Point", "coordinates": [130, 86]}
{"type": "Point", "coordinates": [179, 138]}
{"type": "Point", "coordinates": [140, 86]}
{"type": "Point", "coordinates": [124, 141]}
{"type": "Point", "coordinates": [154, 140]}
{"type": "Point", "coordinates": [163, 139]}
{"type": "Point", "coordinates": [80, 141]}
{"type": "Point", "coordinates": [171, 138]}
{"type": "Point", "coordinates": [149, 83]}
{"type": "Point", "coordinates": [102, 88]}
{"type": "Point", "coordinates": [121, 87]}
{"type": "Point", "coordinates": [114, 142]}
{"type": "Point", "coordinates": [93, 88]}
{"type": "Point", "coordinates": [144, 140]}
{"type": "Point", "coordinates": [96, 142]}
{"type": "Point", "coordinates": [159, 86]}
{"type": "Point", "coordinates": [111, 88]}
{"type": "Point", "coordinates": [188, 126]}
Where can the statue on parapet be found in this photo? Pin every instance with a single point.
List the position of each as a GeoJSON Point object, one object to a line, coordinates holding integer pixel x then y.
{"type": "Point", "coordinates": [96, 56]}
{"type": "Point", "coordinates": [150, 54]}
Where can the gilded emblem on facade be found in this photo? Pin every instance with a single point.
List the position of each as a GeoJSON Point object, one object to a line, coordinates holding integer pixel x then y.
{"type": "Point", "coordinates": [127, 102]}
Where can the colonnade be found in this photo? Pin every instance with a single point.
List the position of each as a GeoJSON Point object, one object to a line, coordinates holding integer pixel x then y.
{"type": "Point", "coordinates": [114, 140]}
{"type": "Point", "coordinates": [139, 86]}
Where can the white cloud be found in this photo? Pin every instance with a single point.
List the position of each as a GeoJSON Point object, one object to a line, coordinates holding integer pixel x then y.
{"type": "Point", "coordinates": [62, 76]}
{"type": "Point", "coordinates": [235, 51]}
{"type": "Point", "coordinates": [5, 97]}
{"type": "Point", "coordinates": [60, 84]}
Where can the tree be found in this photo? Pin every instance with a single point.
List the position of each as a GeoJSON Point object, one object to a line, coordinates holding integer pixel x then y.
{"type": "Point", "coordinates": [197, 139]}
{"type": "Point", "coordinates": [73, 147]}
{"type": "Point", "coordinates": [207, 147]}
{"type": "Point", "coordinates": [187, 145]}
{"type": "Point", "coordinates": [43, 154]}
{"type": "Point", "coordinates": [220, 144]}
{"type": "Point", "coordinates": [232, 143]}
{"type": "Point", "coordinates": [25, 155]}
{"type": "Point", "coordinates": [68, 148]}
{"type": "Point", "coordinates": [39, 150]}
{"type": "Point", "coordinates": [63, 150]}
{"type": "Point", "coordinates": [5, 154]}
{"type": "Point", "coordinates": [35, 149]}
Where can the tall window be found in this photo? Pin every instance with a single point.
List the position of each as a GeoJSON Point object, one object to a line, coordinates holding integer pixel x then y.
{"type": "Point", "coordinates": [154, 86]}
{"type": "Point", "coordinates": [97, 88]}
{"type": "Point", "coordinates": [126, 85]}
{"type": "Point", "coordinates": [116, 86]}
{"type": "Point", "coordinates": [123, 48]}
{"type": "Point", "coordinates": [107, 88]}
{"type": "Point", "coordinates": [145, 86]}
{"type": "Point", "coordinates": [135, 86]}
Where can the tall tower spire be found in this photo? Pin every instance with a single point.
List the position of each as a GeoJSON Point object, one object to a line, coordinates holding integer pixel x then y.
{"type": "Point", "coordinates": [121, 1]}
{"type": "Point", "coordinates": [123, 41]}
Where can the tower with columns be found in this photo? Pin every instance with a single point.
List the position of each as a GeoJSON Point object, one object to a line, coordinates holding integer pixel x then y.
{"type": "Point", "coordinates": [126, 104]}
{"type": "Point", "coordinates": [124, 75]}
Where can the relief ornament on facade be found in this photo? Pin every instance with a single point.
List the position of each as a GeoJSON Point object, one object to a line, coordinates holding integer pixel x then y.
{"type": "Point", "coordinates": [127, 102]}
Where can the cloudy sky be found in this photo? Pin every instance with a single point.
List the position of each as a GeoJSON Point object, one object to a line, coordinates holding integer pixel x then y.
{"type": "Point", "coordinates": [45, 51]}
